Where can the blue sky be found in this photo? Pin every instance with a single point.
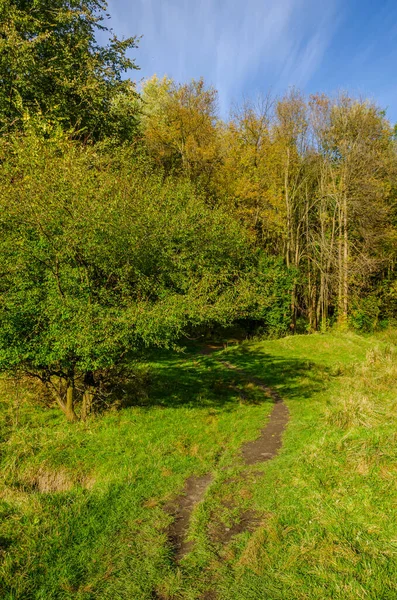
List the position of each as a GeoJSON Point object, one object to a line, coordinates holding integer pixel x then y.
{"type": "Point", "coordinates": [248, 47]}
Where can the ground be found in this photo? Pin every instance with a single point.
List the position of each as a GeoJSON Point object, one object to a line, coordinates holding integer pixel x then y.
{"type": "Point", "coordinates": [86, 509]}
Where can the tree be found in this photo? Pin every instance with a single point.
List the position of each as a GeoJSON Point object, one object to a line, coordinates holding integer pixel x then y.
{"type": "Point", "coordinates": [315, 181]}
{"type": "Point", "coordinates": [361, 154]}
{"type": "Point", "coordinates": [246, 179]}
{"type": "Point", "coordinates": [264, 172]}
{"type": "Point", "coordinates": [51, 64]}
{"type": "Point", "coordinates": [350, 240]}
{"type": "Point", "coordinates": [100, 257]}
{"type": "Point", "coordinates": [179, 125]}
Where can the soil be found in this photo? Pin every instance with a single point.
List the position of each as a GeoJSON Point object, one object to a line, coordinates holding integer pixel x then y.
{"type": "Point", "coordinates": [248, 520]}
{"type": "Point", "coordinates": [260, 450]}
{"type": "Point", "coordinates": [181, 509]}
{"type": "Point", "coordinates": [270, 440]}
{"type": "Point", "coordinates": [209, 595]}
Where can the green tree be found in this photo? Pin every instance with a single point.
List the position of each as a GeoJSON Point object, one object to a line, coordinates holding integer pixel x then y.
{"type": "Point", "coordinates": [51, 64]}
{"type": "Point", "coordinates": [100, 257]}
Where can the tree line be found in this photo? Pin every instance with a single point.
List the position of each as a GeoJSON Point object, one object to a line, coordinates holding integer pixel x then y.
{"type": "Point", "coordinates": [131, 218]}
{"type": "Point", "coordinates": [313, 179]}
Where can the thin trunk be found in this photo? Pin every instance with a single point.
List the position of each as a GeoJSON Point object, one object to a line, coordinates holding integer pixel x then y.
{"type": "Point", "coordinates": [293, 308]}
{"type": "Point", "coordinates": [309, 295]}
{"type": "Point", "coordinates": [321, 316]}
{"type": "Point", "coordinates": [345, 260]}
{"type": "Point", "coordinates": [89, 394]}
{"type": "Point", "coordinates": [69, 406]}
{"type": "Point", "coordinates": [324, 304]}
{"type": "Point", "coordinates": [322, 313]}
{"type": "Point", "coordinates": [340, 266]}
{"type": "Point", "coordinates": [88, 399]}
{"type": "Point", "coordinates": [288, 209]}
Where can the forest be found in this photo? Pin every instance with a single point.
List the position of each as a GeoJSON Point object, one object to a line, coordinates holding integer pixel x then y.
{"type": "Point", "coordinates": [136, 225]}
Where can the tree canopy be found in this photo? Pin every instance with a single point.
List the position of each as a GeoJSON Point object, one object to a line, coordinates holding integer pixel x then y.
{"type": "Point", "coordinates": [52, 64]}
{"type": "Point", "coordinates": [100, 257]}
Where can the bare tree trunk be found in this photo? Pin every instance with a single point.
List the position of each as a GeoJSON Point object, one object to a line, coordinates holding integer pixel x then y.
{"type": "Point", "coordinates": [288, 210]}
{"type": "Point", "coordinates": [340, 267]}
{"type": "Point", "coordinates": [345, 260]}
{"type": "Point", "coordinates": [322, 317]}
{"type": "Point", "coordinates": [309, 295]}
{"type": "Point", "coordinates": [88, 396]}
{"type": "Point", "coordinates": [321, 305]}
{"type": "Point", "coordinates": [69, 405]}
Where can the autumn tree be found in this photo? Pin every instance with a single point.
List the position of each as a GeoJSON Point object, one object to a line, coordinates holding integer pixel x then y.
{"type": "Point", "coordinates": [314, 179]}
{"type": "Point", "coordinates": [264, 171]}
{"type": "Point", "coordinates": [246, 179]}
{"type": "Point", "coordinates": [180, 126]}
{"type": "Point", "coordinates": [355, 165]}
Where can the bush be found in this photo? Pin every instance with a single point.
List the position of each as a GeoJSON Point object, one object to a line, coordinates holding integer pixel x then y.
{"type": "Point", "coordinates": [364, 314]}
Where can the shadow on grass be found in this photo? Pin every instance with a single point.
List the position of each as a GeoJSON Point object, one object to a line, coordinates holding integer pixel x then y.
{"type": "Point", "coordinates": [193, 379]}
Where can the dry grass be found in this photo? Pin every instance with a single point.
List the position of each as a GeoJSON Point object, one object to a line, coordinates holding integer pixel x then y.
{"type": "Point", "coordinates": [362, 402]}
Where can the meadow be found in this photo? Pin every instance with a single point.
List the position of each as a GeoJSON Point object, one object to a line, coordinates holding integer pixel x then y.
{"type": "Point", "coordinates": [83, 506]}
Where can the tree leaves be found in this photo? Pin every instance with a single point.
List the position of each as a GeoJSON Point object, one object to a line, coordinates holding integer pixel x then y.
{"type": "Point", "coordinates": [51, 65]}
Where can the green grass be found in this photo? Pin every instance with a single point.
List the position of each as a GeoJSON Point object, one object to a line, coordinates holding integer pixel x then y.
{"type": "Point", "coordinates": [81, 506]}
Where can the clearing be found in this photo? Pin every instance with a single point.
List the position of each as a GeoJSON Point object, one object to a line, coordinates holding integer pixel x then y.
{"type": "Point", "coordinates": [170, 498]}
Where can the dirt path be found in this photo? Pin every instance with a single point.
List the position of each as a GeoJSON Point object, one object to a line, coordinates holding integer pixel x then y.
{"type": "Point", "coordinates": [264, 448]}
{"type": "Point", "coordinates": [270, 439]}
{"type": "Point", "coordinates": [181, 509]}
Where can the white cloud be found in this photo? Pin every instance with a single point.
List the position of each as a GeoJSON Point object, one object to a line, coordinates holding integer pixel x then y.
{"type": "Point", "coordinates": [239, 46]}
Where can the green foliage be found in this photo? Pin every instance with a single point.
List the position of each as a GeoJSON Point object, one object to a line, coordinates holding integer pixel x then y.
{"type": "Point", "coordinates": [386, 290]}
{"type": "Point", "coordinates": [273, 305]}
{"type": "Point", "coordinates": [364, 313]}
{"type": "Point", "coordinates": [117, 249]}
{"type": "Point", "coordinates": [268, 296]}
{"type": "Point", "coordinates": [51, 64]}
{"type": "Point", "coordinates": [100, 256]}
{"type": "Point", "coordinates": [88, 494]}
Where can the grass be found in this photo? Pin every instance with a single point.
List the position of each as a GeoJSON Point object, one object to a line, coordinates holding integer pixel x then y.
{"type": "Point", "coordinates": [81, 506]}
{"type": "Point", "coordinates": [329, 498]}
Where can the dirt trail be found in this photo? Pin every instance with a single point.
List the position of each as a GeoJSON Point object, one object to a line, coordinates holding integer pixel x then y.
{"type": "Point", "coordinates": [181, 509]}
{"type": "Point", "coordinates": [270, 440]}
{"type": "Point", "coordinates": [262, 449]}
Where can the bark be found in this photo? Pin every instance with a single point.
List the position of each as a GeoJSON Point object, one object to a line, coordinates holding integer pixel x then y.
{"type": "Point", "coordinates": [340, 268]}
{"type": "Point", "coordinates": [69, 405]}
{"type": "Point", "coordinates": [88, 395]}
{"type": "Point", "coordinates": [310, 287]}
{"type": "Point", "coordinates": [88, 398]}
{"type": "Point", "coordinates": [288, 211]}
{"type": "Point", "coordinates": [343, 258]}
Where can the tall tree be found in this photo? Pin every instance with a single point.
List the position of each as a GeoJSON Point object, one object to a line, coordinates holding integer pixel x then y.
{"type": "Point", "coordinates": [356, 163]}
{"type": "Point", "coordinates": [99, 257]}
{"type": "Point", "coordinates": [52, 64]}
{"type": "Point", "coordinates": [179, 125]}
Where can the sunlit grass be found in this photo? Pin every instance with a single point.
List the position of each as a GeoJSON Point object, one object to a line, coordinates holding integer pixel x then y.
{"type": "Point", "coordinates": [82, 505]}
